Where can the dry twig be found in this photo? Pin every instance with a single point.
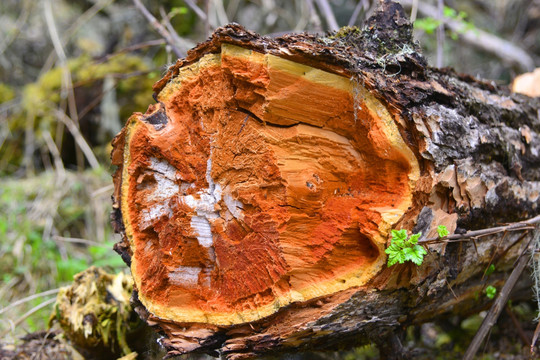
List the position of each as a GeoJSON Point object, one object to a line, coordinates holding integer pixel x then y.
{"type": "Point", "coordinates": [29, 298]}
{"type": "Point", "coordinates": [73, 28]}
{"type": "Point", "coordinates": [361, 4]}
{"type": "Point", "coordinates": [77, 241]}
{"type": "Point", "coordinates": [19, 23]}
{"type": "Point", "coordinates": [58, 164]}
{"type": "Point", "coordinates": [497, 306]}
{"type": "Point", "coordinates": [198, 11]}
{"type": "Point", "coordinates": [535, 338]}
{"type": "Point", "coordinates": [326, 9]}
{"type": "Point", "coordinates": [134, 47]}
{"type": "Point", "coordinates": [414, 10]}
{"type": "Point", "coordinates": [313, 16]}
{"type": "Point", "coordinates": [517, 226]}
{"type": "Point", "coordinates": [169, 38]}
{"type": "Point", "coordinates": [27, 314]}
{"type": "Point", "coordinates": [67, 81]}
{"type": "Point", "coordinates": [517, 325]}
{"type": "Point", "coordinates": [79, 139]}
{"type": "Point", "coordinates": [221, 14]}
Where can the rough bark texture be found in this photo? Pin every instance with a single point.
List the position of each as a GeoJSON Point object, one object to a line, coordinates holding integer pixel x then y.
{"type": "Point", "coordinates": [255, 198]}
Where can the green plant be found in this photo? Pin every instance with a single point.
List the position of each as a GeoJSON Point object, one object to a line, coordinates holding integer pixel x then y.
{"type": "Point", "coordinates": [490, 270]}
{"type": "Point", "coordinates": [180, 10]}
{"type": "Point", "coordinates": [403, 249]}
{"type": "Point", "coordinates": [103, 256]}
{"type": "Point", "coordinates": [442, 231]}
{"type": "Point", "coordinates": [430, 24]}
{"type": "Point", "coordinates": [50, 230]}
{"type": "Point", "coordinates": [458, 16]}
{"type": "Point", "coordinates": [490, 291]}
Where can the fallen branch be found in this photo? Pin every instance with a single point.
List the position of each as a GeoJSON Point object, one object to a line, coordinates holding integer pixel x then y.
{"type": "Point", "coordinates": [517, 226]}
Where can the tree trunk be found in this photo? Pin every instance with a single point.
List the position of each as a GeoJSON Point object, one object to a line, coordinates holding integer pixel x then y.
{"type": "Point", "coordinates": [256, 197]}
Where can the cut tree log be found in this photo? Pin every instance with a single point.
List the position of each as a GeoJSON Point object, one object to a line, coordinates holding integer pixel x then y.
{"type": "Point", "coordinates": [256, 197]}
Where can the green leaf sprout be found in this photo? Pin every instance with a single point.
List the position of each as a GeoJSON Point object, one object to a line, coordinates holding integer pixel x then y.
{"type": "Point", "coordinates": [442, 230]}
{"type": "Point", "coordinates": [490, 270]}
{"type": "Point", "coordinates": [491, 291]}
{"type": "Point", "coordinates": [402, 249]}
{"type": "Point", "coordinates": [428, 24]}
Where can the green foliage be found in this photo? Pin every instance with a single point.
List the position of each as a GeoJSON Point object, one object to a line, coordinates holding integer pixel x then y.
{"type": "Point", "coordinates": [428, 24]}
{"type": "Point", "coordinates": [69, 267]}
{"type": "Point", "coordinates": [181, 10]}
{"type": "Point", "coordinates": [490, 270]}
{"type": "Point", "coordinates": [183, 19]}
{"type": "Point", "coordinates": [103, 256]}
{"type": "Point", "coordinates": [490, 291]}
{"type": "Point", "coordinates": [442, 231]}
{"type": "Point", "coordinates": [402, 249]}
{"type": "Point", "coordinates": [453, 14]}
{"type": "Point", "coordinates": [458, 16]}
{"type": "Point", "coordinates": [35, 212]}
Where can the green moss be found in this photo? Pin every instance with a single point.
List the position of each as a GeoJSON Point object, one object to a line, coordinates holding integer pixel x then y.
{"type": "Point", "coordinates": [95, 311]}
{"type": "Point", "coordinates": [43, 95]}
{"type": "Point", "coordinates": [345, 32]}
{"type": "Point", "coordinates": [119, 64]}
{"type": "Point", "coordinates": [42, 98]}
{"type": "Point", "coordinates": [6, 93]}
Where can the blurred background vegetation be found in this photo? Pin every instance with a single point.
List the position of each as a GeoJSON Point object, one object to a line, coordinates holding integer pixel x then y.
{"type": "Point", "coordinates": [72, 71]}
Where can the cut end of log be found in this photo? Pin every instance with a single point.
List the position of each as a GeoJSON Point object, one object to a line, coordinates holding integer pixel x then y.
{"type": "Point", "coordinates": [256, 182]}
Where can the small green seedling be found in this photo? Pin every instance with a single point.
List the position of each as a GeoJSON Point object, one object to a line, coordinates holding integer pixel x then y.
{"type": "Point", "coordinates": [442, 231]}
{"type": "Point", "coordinates": [402, 249]}
{"type": "Point", "coordinates": [491, 291]}
{"type": "Point", "coordinates": [490, 270]}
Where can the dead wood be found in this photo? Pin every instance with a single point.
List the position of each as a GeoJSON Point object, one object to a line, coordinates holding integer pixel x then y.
{"type": "Point", "coordinates": [256, 197]}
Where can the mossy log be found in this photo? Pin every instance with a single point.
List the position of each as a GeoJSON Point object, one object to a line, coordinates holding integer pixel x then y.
{"type": "Point", "coordinates": [256, 197]}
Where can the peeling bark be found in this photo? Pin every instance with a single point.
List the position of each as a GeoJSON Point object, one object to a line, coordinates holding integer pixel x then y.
{"type": "Point", "coordinates": [255, 198]}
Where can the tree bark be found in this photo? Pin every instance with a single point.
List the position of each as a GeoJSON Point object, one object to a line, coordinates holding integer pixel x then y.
{"type": "Point", "coordinates": [256, 197]}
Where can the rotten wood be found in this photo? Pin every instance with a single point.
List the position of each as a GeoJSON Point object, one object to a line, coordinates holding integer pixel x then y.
{"type": "Point", "coordinates": [256, 197]}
